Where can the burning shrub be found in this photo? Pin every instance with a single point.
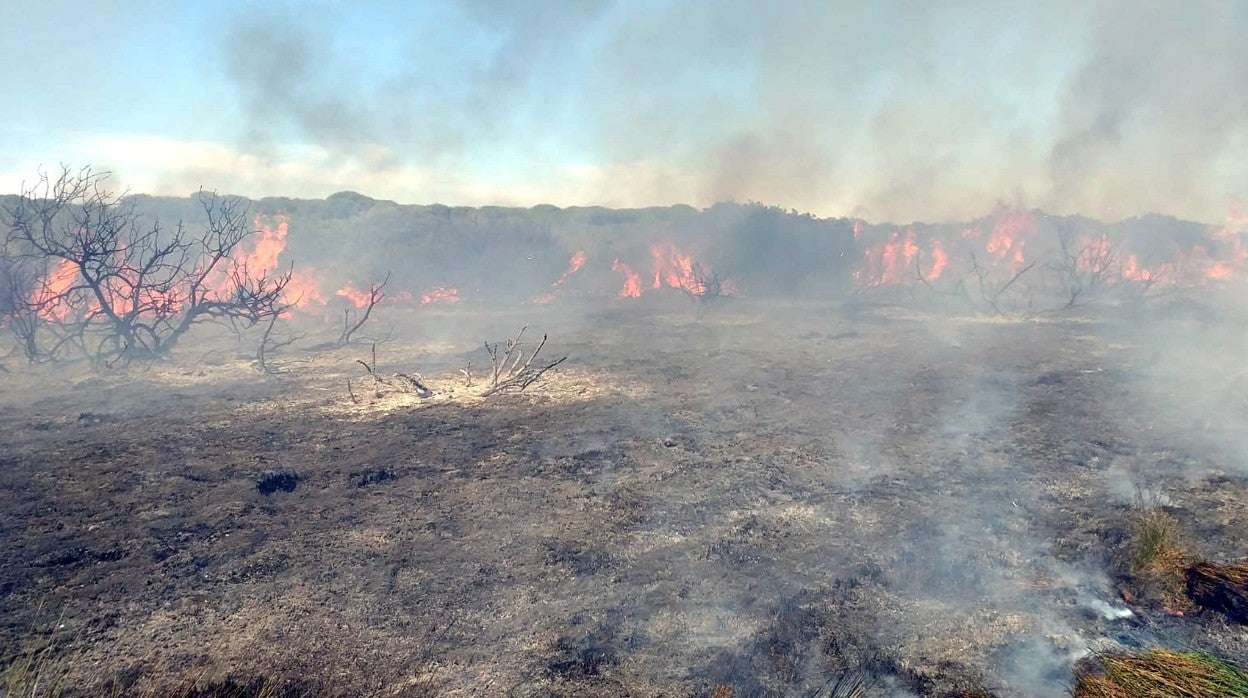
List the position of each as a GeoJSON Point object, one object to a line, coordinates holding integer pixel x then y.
{"type": "Point", "coordinates": [1159, 673]}
{"type": "Point", "coordinates": [111, 286]}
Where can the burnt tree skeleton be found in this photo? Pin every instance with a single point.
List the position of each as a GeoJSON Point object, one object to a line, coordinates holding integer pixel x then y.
{"type": "Point", "coordinates": [137, 287]}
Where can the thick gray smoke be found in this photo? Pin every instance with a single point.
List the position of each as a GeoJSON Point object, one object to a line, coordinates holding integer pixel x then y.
{"type": "Point", "coordinates": [886, 111]}
{"type": "Point", "coordinates": [1156, 110]}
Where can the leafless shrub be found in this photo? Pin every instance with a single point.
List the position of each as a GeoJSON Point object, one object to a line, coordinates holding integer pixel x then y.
{"type": "Point", "coordinates": [512, 370]}
{"type": "Point", "coordinates": [353, 319]}
{"type": "Point", "coordinates": [17, 281]}
{"type": "Point", "coordinates": [994, 290]}
{"type": "Point", "coordinates": [704, 288]}
{"type": "Point", "coordinates": [113, 287]}
{"type": "Point", "coordinates": [271, 342]}
{"type": "Point", "coordinates": [1085, 266]}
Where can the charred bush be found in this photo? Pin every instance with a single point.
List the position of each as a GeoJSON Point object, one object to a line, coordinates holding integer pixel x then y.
{"type": "Point", "coordinates": [370, 476]}
{"type": "Point", "coordinates": [74, 555]}
{"type": "Point", "coordinates": [277, 481]}
{"type": "Point", "coordinates": [260, 686]}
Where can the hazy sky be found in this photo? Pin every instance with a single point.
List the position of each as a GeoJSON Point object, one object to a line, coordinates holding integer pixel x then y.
{"type": "Point", "coordinates": [886, 110]}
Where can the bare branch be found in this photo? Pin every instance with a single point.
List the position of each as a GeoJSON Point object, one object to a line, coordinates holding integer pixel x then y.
{"type": "Point", "coordinates": [520, 375]}
{"type": "Point", "coordinates": [350, 323]}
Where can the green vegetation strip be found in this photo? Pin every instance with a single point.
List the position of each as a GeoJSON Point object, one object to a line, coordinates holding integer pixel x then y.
{"type": "Point", "coordinates": [1160, 673]}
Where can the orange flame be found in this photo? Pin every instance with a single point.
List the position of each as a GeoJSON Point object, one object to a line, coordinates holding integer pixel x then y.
{"type": "Point", "coordinates": [889, 263]}
{"type": "Point", "coordinates": [303, 290]}
{"type": "Point", "coordinates": [1009, 234]}
{"type": "Point", "coordinates": [632, 281]}
{"type": "Point", "coordinates": [672, 267]}
{"type": "Point", "coordinates": [270, 241]}
{"type": "Point", "coordinates": [47, 298]}
{"type": "Point", "coordinates": [1230, 265]}
{"type": "Point", "coordinates": [940, 260]}
{"type": "Point", "coordinates": [440, 294]}
{"type": "Point", "coordinates": [355, 296]}
{"type": "Point", "coordinates": [574, 265]}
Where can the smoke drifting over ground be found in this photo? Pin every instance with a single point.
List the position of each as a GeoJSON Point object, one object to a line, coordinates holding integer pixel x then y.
{"type": "Point", "coordinates": [785, 449]}
{"type": "Point", "coordinates": [883, 111]}
{"type": "Point", "coordinates": [908, 456]}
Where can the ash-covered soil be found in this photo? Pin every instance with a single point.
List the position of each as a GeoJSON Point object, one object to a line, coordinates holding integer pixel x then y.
{"type": "Point", "coordinates": [756, 502]}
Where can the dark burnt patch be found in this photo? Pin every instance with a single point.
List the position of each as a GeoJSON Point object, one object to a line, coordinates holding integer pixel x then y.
{"type": "Point", "coordinates": [71, 555]}
{"type": "Point", "coordinates": [370, 476]}
{"type": "Point", "coordinates": [583, 657]}
{"type": "Point", "coordinates": [580, 559]}
{"type": "Point", "coordinates": [277, 481]}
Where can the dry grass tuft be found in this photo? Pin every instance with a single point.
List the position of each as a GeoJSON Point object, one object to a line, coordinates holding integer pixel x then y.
{"type": "Point", "coordinates": [1156, 543]}
{"type": "Point", "coordinates": [1159, 673]}
{"type": "Point", "coordinates": [1223, 588]}
{"type": "Point", "coordinates": [1157, 560]}
{"type": "Point", "coordinates": [32, 675]}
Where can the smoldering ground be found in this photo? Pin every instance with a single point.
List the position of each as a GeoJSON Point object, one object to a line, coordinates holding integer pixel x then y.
{"type": "Point", "coordinates": [766, 498]}
{"type": "Point", "coordinates": [848, 469]}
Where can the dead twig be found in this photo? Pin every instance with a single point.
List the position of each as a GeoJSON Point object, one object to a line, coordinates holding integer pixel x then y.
{"type": "Point", "coordinates": [407, 383]}
{"type": "Point", "coordinates": [992, 292]}
{"type": "Point", "coordinates": [352, 320]}
{"type": "Point", "coordinates": [512, 370]}
{"type": "Point", "coordinates": [417, 383]}
{"type": "Point", "coordinates": [270, 345]}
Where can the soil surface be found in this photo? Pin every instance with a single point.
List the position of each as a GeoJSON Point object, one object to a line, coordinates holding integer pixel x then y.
{"type": "Point", "coordinates": [759, 501]}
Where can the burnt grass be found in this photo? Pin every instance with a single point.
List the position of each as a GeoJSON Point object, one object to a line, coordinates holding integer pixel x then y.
{"type": "Point", "coordinates": [768, 499]}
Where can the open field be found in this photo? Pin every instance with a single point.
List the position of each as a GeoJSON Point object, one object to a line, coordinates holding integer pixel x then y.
{"type": "Point", "coordinates": [756, 502]}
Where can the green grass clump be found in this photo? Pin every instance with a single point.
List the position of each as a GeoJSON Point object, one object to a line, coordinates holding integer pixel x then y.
{"type": "Point", "coordinates": [1160, 673]}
